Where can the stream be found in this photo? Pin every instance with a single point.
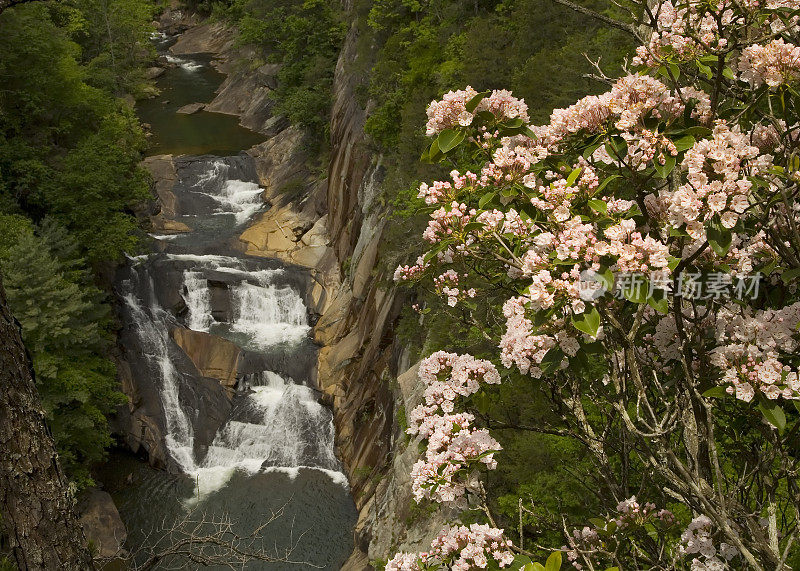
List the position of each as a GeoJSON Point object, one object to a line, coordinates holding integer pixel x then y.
{"type": "Point", "coordinates": [265, 444]}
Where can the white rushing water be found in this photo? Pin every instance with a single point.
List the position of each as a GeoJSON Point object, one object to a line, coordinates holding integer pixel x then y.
{"type": "Point", "coordinates": [155, 342]}
{"type": "Point", "coordinates": [265, 313]}
{"type": "Point", "coordinates": [275, 423]}
{"type": "Point", "coordinates": [186, 64]}
{"type": "Point", "coordinates": [279, 426]}
{"type": "Point", "coordinates": [240, 198]}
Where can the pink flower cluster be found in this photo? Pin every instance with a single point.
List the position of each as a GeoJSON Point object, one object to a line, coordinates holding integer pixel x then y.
{"type": "Point", "coordinates": [470, 547]}
{"type": "Point", "coordinates": [683, 34]}
{"type": "Point", "coordinates": [717, 184]}
{"type": "Point", "coordinates": [697, 540]}
{"type": "Point", "coordinates": [630, 513]}
{"type": "Point", "coordinates": [452, 112]}
{"type": "Point", "coordinates": [447, 285]}
{"type": "Point", "coordinates": [406, 273]}
{"type": "Point", "coordinates": [775, 63]}
{"type": "Point", "coordinates": [752, 351]}
{"type": "Point", "coordinates": [459, 548]}
{"type": "Point", "coordinates": [454, 447]}
{"type": "Point", "coordinates": [633, 252]}
{"type": "Point", "coordinates": [523, 348]}
{"type": "Point", "coordinates": [444, 221]}
{"type": "Point", "coordinates": [631, 99]}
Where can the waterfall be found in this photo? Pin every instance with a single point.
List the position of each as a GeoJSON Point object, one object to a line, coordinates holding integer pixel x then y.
{"type": "Point", "coordinates": [265, 313]}
{"type": "Point", "coordinates": [198, 301]}
{"type": "Point", "coordinates": [269, 314]}
{"type": "Point", "coordinates": [186, 64]}
{"type": "Point", "coordinates": [152, 331]}
{"type": "Point", "coordinates": [238, 197]}
{"type": "Point", "coordinates": [275, 423]}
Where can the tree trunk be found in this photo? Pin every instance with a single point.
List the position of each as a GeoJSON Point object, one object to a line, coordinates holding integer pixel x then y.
{"type": "Point", "coordinates": [35, 505]}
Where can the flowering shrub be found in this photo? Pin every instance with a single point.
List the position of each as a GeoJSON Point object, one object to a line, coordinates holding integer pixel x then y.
{"type": "Point", "coordinates": [651, 233]}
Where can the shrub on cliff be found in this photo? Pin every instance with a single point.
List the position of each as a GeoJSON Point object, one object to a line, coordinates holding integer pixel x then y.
{"type": "Point", "coordinates": [644, 242]}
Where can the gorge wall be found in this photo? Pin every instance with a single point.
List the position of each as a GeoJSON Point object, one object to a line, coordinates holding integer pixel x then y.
{"type": "Point", "coordinates": [332, 225]}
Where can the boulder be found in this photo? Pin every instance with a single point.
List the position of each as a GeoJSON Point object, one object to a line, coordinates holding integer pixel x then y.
{"type": "Point", "coordinates": [167, 226]}
{"type": "Point", "coordinates": [213, 356]}
{"type": "Point", "coordinates": [191, 109]}
{"type": "Point", "coordinates": [101, 523]}
{"type": "Point", "coordinates": [162, 170]}
{"type": "Point", "coordinates": [154, 72]}
{"type": "Point", "coordinates": [205, 38]}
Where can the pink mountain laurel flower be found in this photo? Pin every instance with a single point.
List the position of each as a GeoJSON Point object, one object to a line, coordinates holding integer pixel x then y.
{"type": "Point", "coordinates": [452, 112]}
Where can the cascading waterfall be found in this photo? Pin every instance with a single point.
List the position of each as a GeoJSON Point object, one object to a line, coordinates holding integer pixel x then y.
{"type": "Point", "coordinates": [244, 452]}
{"type": "Point", "coordinates": [275, 422]}
{"type": "Point", "coordinates": [157, 350]}
{"type": "Point", "coordinates": [198, 301]}
{"type": "Point", "coordinates": [238, 197]}
{"type": "Point", "coordinates": [186, 64]}
{"type": "Point", "coordinates": [278, 425]}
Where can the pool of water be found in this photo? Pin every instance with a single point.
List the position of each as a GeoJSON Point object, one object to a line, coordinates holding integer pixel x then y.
{"type": "Point", "coordinates": [192, 80]}
{"type": "Point", "coordinates": [309, 509]}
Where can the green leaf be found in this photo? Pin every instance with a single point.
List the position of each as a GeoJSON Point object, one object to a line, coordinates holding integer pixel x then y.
{"type": "Point", "coordinates": [449, 139]}
{"type": "Point", "coordinates": [715, 393]}
{"type": "Point", "coordinates": [482, 402]}
{"type": "Point", "coordinates": [553, 562]}
{"type": "Point", "coordinates": [598, 205]}
{"type": "Point", "coordinates": [719, 238]}
{"type": "Point", "coordinates": [637, 294]}
{"type": "Point", "coordinates": [605, 182]}
{"type": "Point", "coordinates": [588, 322]}
{"type": "Point", "coordinates": [706, 70]}
{"type": "Point", "coordinates": [515, 123]}
{"type": "Point", "coordinates": [660, 305]}
{"type": "Point", "coordinates": [552, 360]}
{"type": "Point", "coordinates": [606, 277]}
{"type": "Point", "coordinates": [664, 170]}
{"type": "Point", "coordinates": [774, 415]}
{"type": "Point", "coordinates": [573, 176]}
{"type": "Point", "coordinates": [684, 143]}
{"type": "Point", "coordinates": [486, 198]}
{"type": "Point", "coordinates": [789, 275]}
{"type": "Point", "coordinates": [432, 154]}
{"type": "Point", "coordinates": [472, 104]}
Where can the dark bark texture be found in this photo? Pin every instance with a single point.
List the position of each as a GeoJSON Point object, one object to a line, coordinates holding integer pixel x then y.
{"type": "Point", "coordinates": [35, 506]}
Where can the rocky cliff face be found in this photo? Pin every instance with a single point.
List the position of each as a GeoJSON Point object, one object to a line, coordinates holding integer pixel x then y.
{"type": "Point", "coordinates": [333, 228]}
{"type": "Point", "coordinates": [362, 365]}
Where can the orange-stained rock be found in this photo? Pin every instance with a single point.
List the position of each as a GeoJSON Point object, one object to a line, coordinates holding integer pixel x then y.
{"type": "Point", "coordinates": [213, 356]}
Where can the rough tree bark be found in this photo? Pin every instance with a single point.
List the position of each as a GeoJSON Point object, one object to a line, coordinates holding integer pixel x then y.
{"type": "Point", "coordinates": [35, 505]}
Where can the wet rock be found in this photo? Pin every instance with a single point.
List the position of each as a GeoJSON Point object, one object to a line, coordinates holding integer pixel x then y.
{"type": "Point", "coordinates": [213, 356]}
{"type": "Point", "coordinates": [101, 523]}
{"type": "Point", "coordinates": [154, 72]}
{"type": "Point", "coordinates": [220, 301]}
{"type": "Point", "coordinates": [162, 170]}
{"type": "Point", "coordinates": [205, 38]}
{"type": "Point", "coordinates": [167, 226]}
{"type": "Point", "coordinates": [191, 108]}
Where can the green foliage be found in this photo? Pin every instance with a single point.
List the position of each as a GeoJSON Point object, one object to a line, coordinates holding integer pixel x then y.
{"type": "Point", "coordinates": [65, 327]}
{"type": "Point", "coordinates": [304, 37]}
{"type": "Point", "coordinates": [69, 180]}
{"type": "Point", "coordinates": [533, 47]}
{"type": "Point", "coordinates": [68, 148]}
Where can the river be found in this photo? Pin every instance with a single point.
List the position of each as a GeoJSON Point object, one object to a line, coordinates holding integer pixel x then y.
{"type": "Point", "coordinates": [265, 445]}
